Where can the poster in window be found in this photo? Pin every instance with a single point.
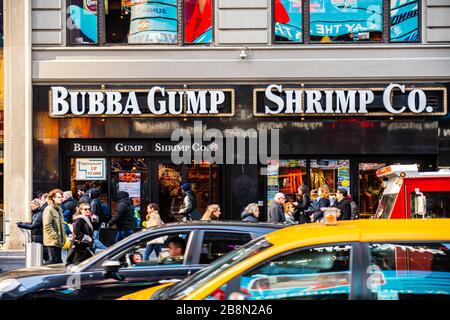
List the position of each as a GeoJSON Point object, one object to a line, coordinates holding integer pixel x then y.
{"type": "Point", "coordinates": [198, 21]}
{"type": "Point", "coordinates": [131, 183]}
{"type": "Point", "coordinates": [288, 20]}
{"type": "Point", "coordinates": [90, 169]}
{"type": "Point", "coordinates": [404, 20]}
{"type": "Point", "coordinates": [82, 22]}
{"type": "Point", "coordinates": [153, 21]}
{"type": "Point", "coordinates": [346, 20]}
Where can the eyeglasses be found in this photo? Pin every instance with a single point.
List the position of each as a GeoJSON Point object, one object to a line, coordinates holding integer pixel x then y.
{"type": "Point", "coordinates": [86, 209]}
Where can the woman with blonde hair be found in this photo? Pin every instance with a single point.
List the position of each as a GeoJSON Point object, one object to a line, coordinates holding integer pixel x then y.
{"type": "Point", "coordinates": [153, 220]}
{"type": "Point", "coordinates": [212, 213]}
{"type": "Point", "coordinates": [322, 201]}
{"type": "Point", "coordinates": [250, 213]}
{"type": "Point", "coordinates": [289, 209]}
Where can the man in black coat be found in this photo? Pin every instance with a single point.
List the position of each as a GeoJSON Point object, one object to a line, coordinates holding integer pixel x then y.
{"type": "Point", "coordinates": [189, 207]}
{"type": "Point", "coordinates": [35, 225]}
{"type": "Point", "coordinates": [343, 204]}
{"type": "Point", "coordinates": [69, 206]}
{"type": "Point", "coordinates": [321, 202]}
{"type": "Point", "coordinates": [275, 212]}
{"type": "Point", "coordinates": [124, 216]}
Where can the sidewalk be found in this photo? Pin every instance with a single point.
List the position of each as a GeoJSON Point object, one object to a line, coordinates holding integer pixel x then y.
{"type": "Point", "coordinates": [11, 260]}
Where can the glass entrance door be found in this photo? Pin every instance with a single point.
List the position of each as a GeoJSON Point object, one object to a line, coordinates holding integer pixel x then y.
{"type": "Point", "coordinates": [204, 180]}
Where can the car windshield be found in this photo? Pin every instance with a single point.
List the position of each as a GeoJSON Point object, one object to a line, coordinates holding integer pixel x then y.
{"type": "Point", "coordinates": [195, 281]}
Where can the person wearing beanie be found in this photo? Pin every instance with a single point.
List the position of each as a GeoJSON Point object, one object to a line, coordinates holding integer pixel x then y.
{"type": "Point", "coordinates": [189, 207]}
{"type": "Point", "coordinates": [123, 217]}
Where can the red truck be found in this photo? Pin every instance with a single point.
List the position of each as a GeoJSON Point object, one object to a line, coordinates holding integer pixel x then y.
{"type": "Point", "coordinates": [409, 193]}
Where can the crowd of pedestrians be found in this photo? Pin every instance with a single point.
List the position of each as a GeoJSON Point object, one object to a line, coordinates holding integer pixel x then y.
{"type": "Point", "coordinates": [69, 226]}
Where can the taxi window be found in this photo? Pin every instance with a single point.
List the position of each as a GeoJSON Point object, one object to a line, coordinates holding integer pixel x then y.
{"type": "Point", "coordinates": [217, 244]}
{"type": "Point", "coordinates": [309, 274]}
{"type": "Point", "coordinates": [409, 271]}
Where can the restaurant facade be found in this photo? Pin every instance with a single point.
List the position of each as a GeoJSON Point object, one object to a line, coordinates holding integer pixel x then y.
{"type": "Point", "coordinates": [123, 111]}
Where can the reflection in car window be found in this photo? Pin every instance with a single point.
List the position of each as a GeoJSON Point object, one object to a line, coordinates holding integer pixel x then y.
{"type": "Point", "coordinates": [195, 281]}
{"type": "Point", "coordinates": [315, 273]}
{"type": "Point", "coordinates": [217, 244]}
{"type": "Point", "coordinates": [409, 271]}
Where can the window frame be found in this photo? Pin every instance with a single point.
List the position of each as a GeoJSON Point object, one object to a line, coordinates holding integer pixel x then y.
{"type": "Point", "coordinates": [355, 264]}
{"type": "Point", "coordinates": [101, 29]}
{"type": "Point", "coordinates": [386, 25]}
{"type": "Point", "coordinates": [201, 236]}
{"type": "Point", "coordinates": [366, 292]}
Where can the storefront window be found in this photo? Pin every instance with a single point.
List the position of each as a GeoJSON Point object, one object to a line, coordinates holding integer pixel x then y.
{"type": "Point", "coordinates": [352, 20]}
{"type": "Point", "coordinates": [370, 187]}
{"type": "Point", "coordinates": [203, 178]}
{"type": "Point", "coordinates": [285, 176]}
{"type": "Point", "coordinates": [82, 24]}
{"type": "Point", "coordinates": [170, 194]}
{"type": "Point", "coordinates": [288, 21]}
{"type": "Point", "coordinates": [404, 17]}
{"type": "Point", "coordinates": [334, 174]}
{"type": "Point", "coordinates": [2, 235]}
{"type": "Point", "coordinates": [198, 21]}
{"type": "Point", "coordinates": [130, 175]}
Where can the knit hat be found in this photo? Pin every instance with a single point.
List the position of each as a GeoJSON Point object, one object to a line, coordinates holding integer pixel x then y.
{"type": "Point", "coordinates": [122, 195]}
{"type": "Point", "coordinates": [186, 186]}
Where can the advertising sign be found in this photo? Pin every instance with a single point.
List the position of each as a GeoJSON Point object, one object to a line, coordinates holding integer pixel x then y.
{"type": "Point", "coordinates": [131, 183]}
{"type": "Point", "coordinates": [90, 169]}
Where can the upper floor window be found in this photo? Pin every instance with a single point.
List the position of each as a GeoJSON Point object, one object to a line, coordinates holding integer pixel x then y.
{"type": "Point", "coordinates": [140, 21]}
{"type": "Point", "coordinates": [325, 21]}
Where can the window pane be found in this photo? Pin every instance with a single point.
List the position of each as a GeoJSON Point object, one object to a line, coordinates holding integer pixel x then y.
{"type": "Point", "coordinates": [430, 205]}
{"type": "Point", "coordinates": [370, 187]}
{"type": "Point", "coordinates": [410, 271]}
{"type": "Point", "coordinates": [198, 21]}
{"type": "Point", "coordinates": [346, 20]}
{"type": "Point", "coordinates": [215, 245]}
{"type": "Point", "coordinates": [334, 174]}
{"type": "Point", "coordinates": [404, 20]}
{"type": "Point", "coordinates": [141, 21]}
{"type": "Point", "coordinates": [316, 273]}
{"type": "Point", "coordinates": [82, 21]}
{"type": "Point", "coordinates": [285, 176]}
{"type": "Point", "coordinates": [288, 20]}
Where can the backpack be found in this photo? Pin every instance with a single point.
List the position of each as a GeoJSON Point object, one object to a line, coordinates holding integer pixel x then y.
{"type": "Point", "coordinates": [355, 210]}
{"type": "Point", "coordinates": [137, 218]}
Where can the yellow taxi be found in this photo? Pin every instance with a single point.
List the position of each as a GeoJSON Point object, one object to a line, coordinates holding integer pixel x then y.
{"type": "Point", "coordinates": [365, 259]}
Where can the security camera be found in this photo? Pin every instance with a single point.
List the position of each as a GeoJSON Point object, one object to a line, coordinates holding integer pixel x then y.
{"type": "Point", "coordinates": [243, 54]}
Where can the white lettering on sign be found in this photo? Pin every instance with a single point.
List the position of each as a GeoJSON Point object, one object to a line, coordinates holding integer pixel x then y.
{"type": "Point", "coordinates": [120, 147]}
{"type": "Point", "coordinates": [159, 102]}
{"type": "Point", "coordinates": [77, 147]}
{"type": "Point", "coordinates": [340, 101]}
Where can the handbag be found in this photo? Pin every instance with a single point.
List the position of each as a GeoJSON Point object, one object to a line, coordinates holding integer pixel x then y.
{"type": "Point", "coordinates": [66, 244]}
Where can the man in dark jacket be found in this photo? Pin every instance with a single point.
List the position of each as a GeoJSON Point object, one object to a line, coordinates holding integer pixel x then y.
{"type": "Point", "coordinates": [276, 211]}
{"type": "Point", "coordinates": [343, 204]}
{"type": "Point", "coordinates": [189, 207]}
{"type": "Point", "coordinates": [98, 218]}
{"type": "Point", "coordinates": [35, 226]}
{"type": "Point", "coordinates": [321, 202]}
{"type": "Point", "coordinates": [124, 216]}
{"type": "Point", "coordinates": [83, 193]}
{"type": "Point", "coordinates": [69, 206]}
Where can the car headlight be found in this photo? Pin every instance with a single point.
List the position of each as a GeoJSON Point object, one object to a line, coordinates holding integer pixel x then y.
{"type": "Point", "coordinates": [9, 285]}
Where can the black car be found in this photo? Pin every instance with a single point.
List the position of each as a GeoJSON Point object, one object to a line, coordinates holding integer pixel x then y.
{"type": "Point", "coordinates": [121, 269]}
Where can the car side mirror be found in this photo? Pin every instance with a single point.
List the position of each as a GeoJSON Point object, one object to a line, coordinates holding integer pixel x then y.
{"type": "Point", "coordinates": [111, 270]}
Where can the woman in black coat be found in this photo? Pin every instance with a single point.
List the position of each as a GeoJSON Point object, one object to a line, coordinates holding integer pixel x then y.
{"type": "Point", "coordinates": [303, 206]}
{"type": "Point", "coordinates": [321, 202]}
{"type": "Point", "coordinates": [83, 235]}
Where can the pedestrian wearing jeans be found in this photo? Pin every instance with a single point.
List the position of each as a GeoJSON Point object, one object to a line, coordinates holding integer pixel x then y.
{"type": "Point", "coordinates": [124, 216]}
{"type": "Point", "coordinates": [153, 220]}
{"type": "Point", "coordinates": [53, 225]}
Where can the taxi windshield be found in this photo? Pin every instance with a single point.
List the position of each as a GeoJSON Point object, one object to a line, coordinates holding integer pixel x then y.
{"type": "Point", "coordinates": [195, 281]}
